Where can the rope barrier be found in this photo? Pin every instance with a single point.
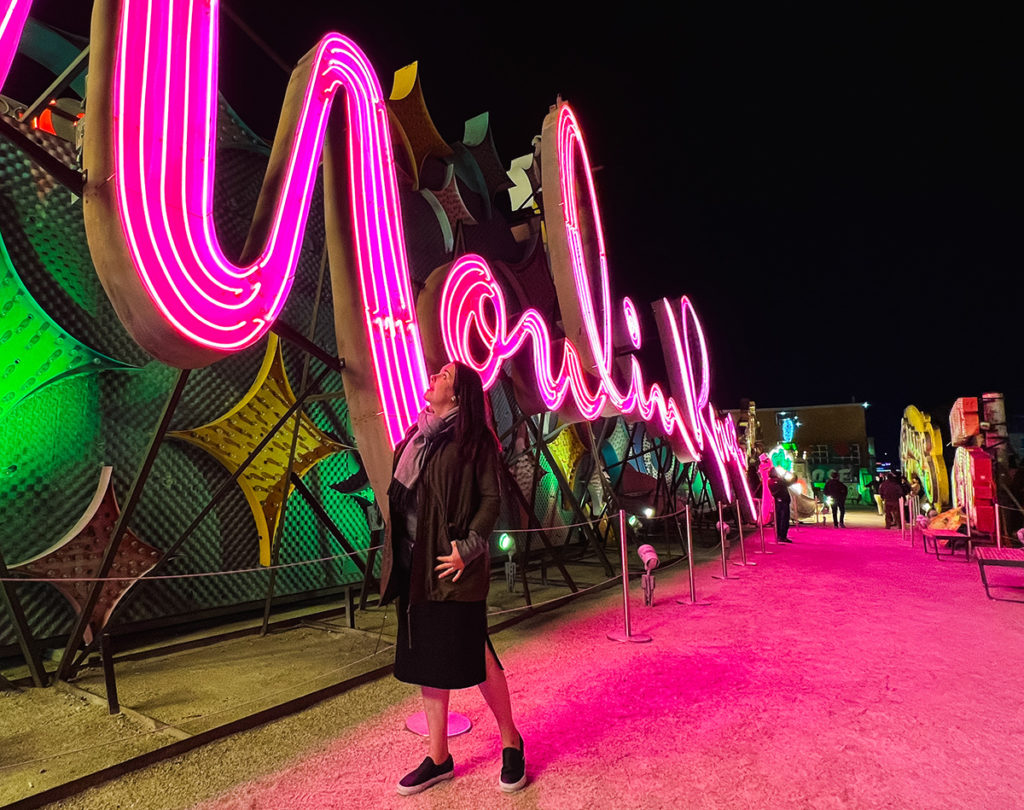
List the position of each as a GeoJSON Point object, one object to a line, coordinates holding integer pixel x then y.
{"type": "Point", "coordinates": [292, 687]}
{"type": "Point", "coordinates": [568, 595]}
{"type": "Point", "coordinates": [194, 575]}
{"type": "Point", "coordinates": [590, 522]}
{"type": "Point", "coordinates": [300, 562]}
{"type": "Point", "coordinates": [268, 695]}
{"type": "Point", "coordinates": [549, 601]}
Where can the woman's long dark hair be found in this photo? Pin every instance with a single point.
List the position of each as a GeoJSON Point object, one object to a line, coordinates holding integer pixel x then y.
{"type": "Point", "coordinates": [473, 422]}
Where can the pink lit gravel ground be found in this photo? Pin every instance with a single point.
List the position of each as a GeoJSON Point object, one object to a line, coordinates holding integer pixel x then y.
{"type": "Point", "coordinates": [846, 670]}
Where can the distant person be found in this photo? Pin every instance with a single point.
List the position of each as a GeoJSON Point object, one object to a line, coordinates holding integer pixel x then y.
{"type": "Point", "coordinates": [917, 488]}
{"type": "Point", "coordinates": [753, 475]}
{"type": "Point", "coordinates": [891, 492]}
{"type": "Point", "coordinates": [836, 490]}
{"type": "Point", "coordinates": [780, 495]}
{"type": "Point", "coordinates": [907, 490]}
{"type": "Point", "coordinates": [872, 488]}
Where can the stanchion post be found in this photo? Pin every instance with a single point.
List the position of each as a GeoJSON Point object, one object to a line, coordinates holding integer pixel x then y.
{"type": "Point", "coordinates": [739, 528]}
{"type": "Point", "coordinates": [914, 513]}
{"type": "Point", "coordinates": [721, 537]}
{"type": "Point", "coordinates": [689, 563]}
{"type": "Point", "coordinates": [999, 524]}
{"type": "Point", "coordinates": [760, 526]}
{"type": "Point", "coordinates": [903, 522]}
{"type": "Point", "coordinates": [628, 634]}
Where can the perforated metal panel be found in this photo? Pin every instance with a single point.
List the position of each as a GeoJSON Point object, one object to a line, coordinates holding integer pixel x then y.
{"type": "Point", "coordinates": [55, 441]}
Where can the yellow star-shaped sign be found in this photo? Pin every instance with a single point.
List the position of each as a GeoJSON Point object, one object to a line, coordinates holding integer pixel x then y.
{"type": "Point", "coordinates": [232, 438]}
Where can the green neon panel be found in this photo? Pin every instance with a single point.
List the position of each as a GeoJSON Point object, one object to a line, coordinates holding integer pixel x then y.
{"type": "Point", "coordinates": [34, 350]}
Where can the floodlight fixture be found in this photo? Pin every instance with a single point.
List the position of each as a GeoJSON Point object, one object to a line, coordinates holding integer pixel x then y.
{"type": "Point", "coordinates": [649, 557]}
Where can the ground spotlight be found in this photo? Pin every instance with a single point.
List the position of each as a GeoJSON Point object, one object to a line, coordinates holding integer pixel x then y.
{"type": "Point", "coordinates": [649, 557]}
{"type": "Point", "coordinates": [508, 544]}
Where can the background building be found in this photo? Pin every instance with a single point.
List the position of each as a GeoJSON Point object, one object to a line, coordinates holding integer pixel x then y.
{"type": "Point", "coordinates": [826, 437]}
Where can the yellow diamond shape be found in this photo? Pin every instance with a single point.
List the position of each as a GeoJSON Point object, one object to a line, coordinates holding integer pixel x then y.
{"type": "Point", "coordinates": [231, 438]}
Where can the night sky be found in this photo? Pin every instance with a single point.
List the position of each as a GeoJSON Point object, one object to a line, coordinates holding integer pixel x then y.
{"type": "Point", "coordinates": [837, 187]}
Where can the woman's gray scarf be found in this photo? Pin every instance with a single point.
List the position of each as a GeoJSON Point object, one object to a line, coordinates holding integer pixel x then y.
{"type": "Point", "coordinates": [428, 426]}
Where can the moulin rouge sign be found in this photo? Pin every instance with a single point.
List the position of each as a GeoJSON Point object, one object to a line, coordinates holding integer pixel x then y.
{"type": "Point", "coordinates": [149, 154]}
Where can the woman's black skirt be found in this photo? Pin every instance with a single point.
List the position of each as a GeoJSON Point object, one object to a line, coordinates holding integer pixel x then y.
{"type": "Point", "coordinates": [441, 644]}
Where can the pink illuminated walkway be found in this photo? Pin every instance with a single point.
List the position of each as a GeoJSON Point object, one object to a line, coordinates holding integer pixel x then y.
{"type": "Point", "coordinates": [846, 670]}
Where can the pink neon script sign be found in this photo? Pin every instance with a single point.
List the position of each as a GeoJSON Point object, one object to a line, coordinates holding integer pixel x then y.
{"type": "Point", "coordinates": [475, 330]}
{"type": "Point", "coordinates": [164, 106]}
{"type": "Point", "coordinates": [474, 313]}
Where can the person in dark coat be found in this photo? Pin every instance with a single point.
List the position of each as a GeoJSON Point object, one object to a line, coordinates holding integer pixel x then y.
{"type": "Point", "coordinates": [891, 492]}
{"type": "Point", "coordinates": [444, 500]}
{"type": "Point", "coordinates": [836, 490]}
{"type": "Point", "coordinates": [781, 496]}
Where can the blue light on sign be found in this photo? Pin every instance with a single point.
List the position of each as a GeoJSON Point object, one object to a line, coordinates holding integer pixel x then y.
{"type": "Point", "coordinates": [788, 429]}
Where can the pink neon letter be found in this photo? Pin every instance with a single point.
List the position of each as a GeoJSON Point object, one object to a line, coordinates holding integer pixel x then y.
{"type": "Point", "coordinates": [473, 318]}
{"type": "Point", "coordinates": [12, 21]}
{"type": "Point", "coordinates": [164, 106]}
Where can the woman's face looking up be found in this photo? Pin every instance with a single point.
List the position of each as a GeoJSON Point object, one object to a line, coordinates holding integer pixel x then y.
{"type": "Point", "coordinates": [441, 392]}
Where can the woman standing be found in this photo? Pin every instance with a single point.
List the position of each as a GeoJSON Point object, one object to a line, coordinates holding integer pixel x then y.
{"type": "Point", "coordinates": [444, 501]}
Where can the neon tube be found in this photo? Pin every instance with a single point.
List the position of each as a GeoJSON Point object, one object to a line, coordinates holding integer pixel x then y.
{"type": "Point", "coordinates": [165, 105]}
{"type": "Point", "coordinates": [164, 108]}
{"type": "Point", "coordinates": [12, 22]}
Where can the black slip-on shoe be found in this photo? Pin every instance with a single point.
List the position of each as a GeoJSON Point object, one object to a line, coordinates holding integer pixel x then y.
{"type": "Point", "coordinates": [513, 768]}
{"type": "Point", "coordinates": [426, 775]}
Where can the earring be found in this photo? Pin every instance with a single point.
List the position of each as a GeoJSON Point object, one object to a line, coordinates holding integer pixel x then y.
{"type": "Point", "coordinates": [454, 399]}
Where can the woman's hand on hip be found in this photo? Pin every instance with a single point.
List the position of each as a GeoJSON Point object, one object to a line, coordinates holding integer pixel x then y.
{"type": "Point", "coordinates": [450, 564]}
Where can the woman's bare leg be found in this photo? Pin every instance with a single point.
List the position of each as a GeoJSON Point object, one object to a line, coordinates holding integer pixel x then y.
{"type": "Point", "coordinates": [495, 692]}
{"type": "Point", "coordinates": [435, 704]}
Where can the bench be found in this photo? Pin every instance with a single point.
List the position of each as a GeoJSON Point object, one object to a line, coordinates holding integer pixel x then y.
{"type": "Point", "coordinates": [999, 557]}
{"type": "Point", "coordinates": [935, 535]}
